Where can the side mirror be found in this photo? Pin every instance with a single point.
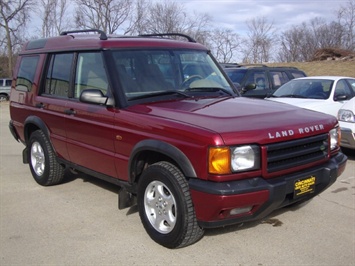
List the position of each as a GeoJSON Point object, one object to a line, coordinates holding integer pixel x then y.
{"type": "Point", "coordinates": [249, 87]}
{"type": "Point", "coordinates": [341, 97]}
{"type": "Point", "coordinates": [93, 96]}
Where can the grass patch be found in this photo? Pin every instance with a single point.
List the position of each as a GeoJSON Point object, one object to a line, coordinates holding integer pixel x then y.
{"type": "Point", "coordinates": [323, 68]}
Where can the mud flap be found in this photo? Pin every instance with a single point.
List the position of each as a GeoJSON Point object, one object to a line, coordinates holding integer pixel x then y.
{"type": "Point", "coordinates": [126, 199]}
{"type": "Point", "coordinates": [25, 156]}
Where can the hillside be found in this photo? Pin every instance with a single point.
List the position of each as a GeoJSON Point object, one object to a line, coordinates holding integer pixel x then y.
{"type": "Point", "coordinates": [323, 68]}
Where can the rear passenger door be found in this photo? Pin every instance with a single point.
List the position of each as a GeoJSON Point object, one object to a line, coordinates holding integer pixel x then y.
{"type": "Point", "coordinates": [89, 127]}
{"type": "Point", "coordinates": [54, 93]}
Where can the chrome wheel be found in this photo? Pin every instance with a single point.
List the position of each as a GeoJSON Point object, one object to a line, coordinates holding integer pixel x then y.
{"type": "Point", "coordinates": [160, 207]}
{"type": "Point", "coordinates": [37, 158]}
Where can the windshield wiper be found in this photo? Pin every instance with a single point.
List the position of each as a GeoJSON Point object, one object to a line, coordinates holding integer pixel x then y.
{"type": "Point", "coordinates": [290, 96]}
{"type": "Point", "coordinates": [211, 89]}
{"type": "Point", "coordinates": [160, 93]}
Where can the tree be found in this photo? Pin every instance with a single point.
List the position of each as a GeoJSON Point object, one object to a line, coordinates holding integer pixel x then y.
{"type": "Point", "coordinates": [54, 15]}
{"type": "Point", "coordinates": [14, 15]}
{"type": "Point", "coordinates": [225, 44]}
{"type": "Point", "coordinates": [106, 15]}
{"type": "Point", "coordinates": [169, 17]}
{"type": "Point", "coordinates": [291, 45]}
{"type": "Point", "coordinates": [346, 18]}
{"type": "Point", "coordinates": [301, 42]}
{"type": "Point", "coordinates": [261, 38]}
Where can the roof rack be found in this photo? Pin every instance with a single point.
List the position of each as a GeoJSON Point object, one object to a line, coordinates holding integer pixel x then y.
{"type": "Point", "coordinates": [189, 38]}
{"type": "Point", "coordinates": [230, 65]}
{"type": "Point", "coordinates": [103, 35]}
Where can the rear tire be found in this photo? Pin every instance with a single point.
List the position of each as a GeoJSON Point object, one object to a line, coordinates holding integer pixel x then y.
{"type": "Point", "coordinates": [43, 164]}
{"type": "Point", "coordinates": [165, 206]}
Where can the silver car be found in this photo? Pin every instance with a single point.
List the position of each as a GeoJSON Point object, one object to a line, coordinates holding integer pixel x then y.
{"type": "Point", "coordinates": [5, 86]}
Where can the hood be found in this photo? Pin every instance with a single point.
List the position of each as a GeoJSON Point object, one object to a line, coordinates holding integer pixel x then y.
{"type": "Point", "coordinates": [241, 119]}
{"type": "Point", "coordinates": [325, 106]}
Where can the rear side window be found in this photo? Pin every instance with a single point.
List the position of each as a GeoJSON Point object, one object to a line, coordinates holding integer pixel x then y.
{"type": "Point", "coordinates": [26, 73]}
{"type": "Point", "coordinates": [58, 75]}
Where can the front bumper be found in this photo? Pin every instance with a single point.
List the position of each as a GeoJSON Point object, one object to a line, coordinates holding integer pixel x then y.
{"type": "Point", "coordinates": [214, 201]}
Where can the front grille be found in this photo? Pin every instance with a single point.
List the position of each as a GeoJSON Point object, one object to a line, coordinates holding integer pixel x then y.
{"type": "Point", "coordinates": [285, 155]}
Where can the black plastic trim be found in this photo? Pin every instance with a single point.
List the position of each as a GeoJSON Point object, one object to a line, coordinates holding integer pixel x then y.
{"type": "Point", "coordinates": [189, 38]}
{"type": "Point", "coordinates": [35, 120]}
{"type": "Point", "coordinates": [164, 148]}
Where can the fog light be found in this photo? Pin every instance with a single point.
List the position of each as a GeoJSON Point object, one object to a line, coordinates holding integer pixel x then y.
{"type": "Point", "coordinates": [240, 210]}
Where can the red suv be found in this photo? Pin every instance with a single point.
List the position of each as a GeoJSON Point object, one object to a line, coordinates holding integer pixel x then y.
{"type": "Point", "coordinates": [159, 118]}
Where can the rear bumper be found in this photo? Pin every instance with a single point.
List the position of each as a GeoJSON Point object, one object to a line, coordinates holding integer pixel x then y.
{"type": "Point", "coordinates": [214, 201]}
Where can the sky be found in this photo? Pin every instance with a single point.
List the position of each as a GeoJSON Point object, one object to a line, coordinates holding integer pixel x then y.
{"type": "Point", "coordinates": [233, 14]}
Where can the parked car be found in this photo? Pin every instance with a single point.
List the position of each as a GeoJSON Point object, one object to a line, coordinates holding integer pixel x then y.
{"type": "Point", "coordinates": [346, 117]}
{"type": "Point", "coordinates": [5, 87]}
{"type": "Point", "coordinates": [325, 94]}
{"type": "Point", "coordinates": [183, 147]}
{"type": "Point", "coordinates": [265, 79]}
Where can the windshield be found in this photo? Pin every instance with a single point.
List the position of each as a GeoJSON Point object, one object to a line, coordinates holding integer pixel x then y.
{"type": "Point", "coordinates": [305, 88]}
{"type": "Point", "coordinates": [236, 75]}
{"type": "Point", "coordinates": [181, 73]}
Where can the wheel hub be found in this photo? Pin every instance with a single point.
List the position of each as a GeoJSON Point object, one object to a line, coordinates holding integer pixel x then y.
{"type": "Point", "coordinates": [160, 207]}
{"type": "Point", "coordinates": [37, 158]}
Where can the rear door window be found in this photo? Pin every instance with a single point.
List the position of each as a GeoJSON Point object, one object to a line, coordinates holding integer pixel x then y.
{"type": "Point", "coordinates": [58, 75]}
{"type": "Point", "coordinates": [278, 78]}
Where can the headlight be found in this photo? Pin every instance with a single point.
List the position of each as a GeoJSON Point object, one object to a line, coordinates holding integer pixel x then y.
{"type": "Point", "coordinates": [346, 116]}
{"type": "Point", "coordinates": [334, 138]}
{"type": "Point", "coordinates": [245, 158]}
{"type": "Point", "coordinates": [224, 160]}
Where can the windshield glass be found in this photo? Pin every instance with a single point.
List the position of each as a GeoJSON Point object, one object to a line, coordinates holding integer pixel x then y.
{"type": "Point", "coordinates": [149, 73]}
{"type": "Point", "coordinates": [236, 75]}
{"type": "Point", "coordinates": [305, 88]}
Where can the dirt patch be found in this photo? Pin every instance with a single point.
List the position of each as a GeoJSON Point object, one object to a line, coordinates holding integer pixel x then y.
{"type": "Point", "coordinates": [333, 54]}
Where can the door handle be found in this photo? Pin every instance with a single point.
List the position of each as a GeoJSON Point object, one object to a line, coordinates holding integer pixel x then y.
{"type": "Point", "coordinates": [70, 112]}
{"type": "Point", "coordinates": [40, 105]}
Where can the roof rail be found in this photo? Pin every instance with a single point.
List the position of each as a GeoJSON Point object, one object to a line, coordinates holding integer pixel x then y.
{"type": "Point", "coordinates": [103, 35]}
{"type": "Point", "coordinates": [256, 65]}
{"type": "Point", "coordinates": [189, 38]}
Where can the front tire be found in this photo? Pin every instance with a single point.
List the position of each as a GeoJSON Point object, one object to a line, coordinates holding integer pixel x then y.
{"type": "Point", "coordinates": [165, 206]}
{"type": "Point", "coordinates": [43, 164]}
